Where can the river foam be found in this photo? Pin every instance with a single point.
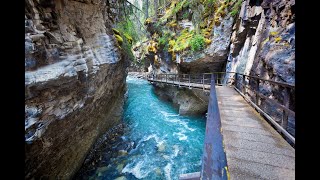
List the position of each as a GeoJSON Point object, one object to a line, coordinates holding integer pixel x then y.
{"type": "Point", "coordinates": [161, 143]}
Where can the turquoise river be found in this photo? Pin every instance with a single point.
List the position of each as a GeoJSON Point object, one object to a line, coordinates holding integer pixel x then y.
{"type": "Point", "coordinates": [157, 142]}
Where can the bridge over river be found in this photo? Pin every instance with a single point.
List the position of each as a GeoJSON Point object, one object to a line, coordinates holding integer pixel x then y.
{"type": "Point", "coordinates": [242, 140]}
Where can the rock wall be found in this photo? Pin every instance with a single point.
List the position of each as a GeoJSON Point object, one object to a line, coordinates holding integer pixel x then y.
{"type": "Point", "coordinates": [170, 47]}
{"type": "Point", "coordinates": [188, 101]}
{"type": "Point", "coordinates": [74, 83]}
{"type": "Point", "coordinates": [263, 45]}
{"type": "Point", "coordinates": [213, 58]}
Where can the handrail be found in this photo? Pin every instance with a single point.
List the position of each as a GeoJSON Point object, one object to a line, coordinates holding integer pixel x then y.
{"type": "Point", "coordinates": [241, 86]}
{"type": "Point", "coordinates": [214, 161]}
{"type": "Point", "coordinates": [255, 77]}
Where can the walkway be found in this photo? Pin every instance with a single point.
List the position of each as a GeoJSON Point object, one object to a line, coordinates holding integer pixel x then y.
{"type": "Point", "coordinates": [254, 149]}
{"type": "Point", "coordinates": [248, 145]}
{"type": "Point", "coordinates": [182, 84]}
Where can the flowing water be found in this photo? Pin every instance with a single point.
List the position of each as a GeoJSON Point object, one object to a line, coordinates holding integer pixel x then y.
{"type": "Point", "coordinates": [162, 144]}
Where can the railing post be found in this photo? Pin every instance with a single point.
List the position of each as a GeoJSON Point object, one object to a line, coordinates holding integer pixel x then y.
{"type": "Point", "coordinates": [286, 102]}
{"type": "Point", "coordinates": [166, 79]}
{"type": "Point", "coordinates": [257, 91]}
{"type": "Point", "coordinates": [244, 84]}
{"type": "Point", "coordinates": [203, 81]}
{"type": "Point", "coordinates": [217, 76]}
{"type": "Point", "coordinates": [189, 81]}
{"type": "Point", "coordinates": [236, 80]}
{"type": "Point", "coordinates": [178, 80]}
{"type": "Point", "coordinates": [173, 79]}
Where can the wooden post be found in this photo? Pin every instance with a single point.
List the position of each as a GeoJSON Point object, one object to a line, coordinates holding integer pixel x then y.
{"type": "Point", "coordinates": [286, 102]}
{"type": "Point", "coordinates": [178, 80]}
{"type": "Point", "coordinates": [189, 81]}
{"type": "Point", "coordinates": [257, 92]}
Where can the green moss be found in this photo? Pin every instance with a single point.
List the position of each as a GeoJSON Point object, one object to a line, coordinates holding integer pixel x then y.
{"type": "Point", "coordinates": [174, 8]}
{"type": "Point", "coordinates": [128, 37]}
{"type": "Point", "coordinates": [265, 41]}
{"type": "Point", "coordinates": [172, 23]}
{"type": "Point", "coordinates": [149, 20]}
{"type": "Point", "coordinates": [183, 41]}
{"type": "Point", "coordinates": [197, 42]}
{"type": "Point", "coordinates": [185, 15]}
{"type": "Point", "coordinates": [116, 31]}
{"type": "Point", "coordinates": [236, 8]}
{"type": "Point", "coordinates": [152, 46]}
{"type": "Point", "coordinates": [277, 39]}
{"type": "Point", "coordinates": [119, 39]}
{"type": "Point", "coordinates": [273, 33]}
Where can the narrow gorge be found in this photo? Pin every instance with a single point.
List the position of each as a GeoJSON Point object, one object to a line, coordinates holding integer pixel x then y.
{"type": "Point", "coordinates": [90, 112]}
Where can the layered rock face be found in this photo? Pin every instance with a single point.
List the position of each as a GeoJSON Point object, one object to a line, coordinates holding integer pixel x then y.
{"type": "Point", "coordinates": [263, 45]}
{"type": "Point", "coordinates": [74, 83]}
{"type": "Point", "coordinates": [213, 58]}
{"type": "Point", "coordinates": [174, 32]}
{"type": "Point", "coordinates": [188, 101]}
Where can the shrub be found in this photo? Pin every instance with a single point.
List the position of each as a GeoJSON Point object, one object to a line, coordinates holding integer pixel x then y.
{"type": "Point", "coordinates": [185, 15]}
{"type": "Point", "coordinates": [197, 42]}
{"type": "Point", "coordinates": [235, 9]}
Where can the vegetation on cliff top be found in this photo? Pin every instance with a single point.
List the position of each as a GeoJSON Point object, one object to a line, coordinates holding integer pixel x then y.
{"type": "Point", "coordinates": [180, 26]}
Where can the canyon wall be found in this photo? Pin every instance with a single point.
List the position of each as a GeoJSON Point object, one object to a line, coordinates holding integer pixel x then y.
{"type": "Point", "coordinates": [253, 37]}
{"type": "Point", "coordinates": [75, 75]}
{"type": "Point", "coordinates": [263, 45]}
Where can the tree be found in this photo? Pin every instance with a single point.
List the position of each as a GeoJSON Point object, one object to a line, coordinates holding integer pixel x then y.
{"type": "Point", "coordinates": [146, 9]}
{"type": "Point", "coordinates": [155, 5]}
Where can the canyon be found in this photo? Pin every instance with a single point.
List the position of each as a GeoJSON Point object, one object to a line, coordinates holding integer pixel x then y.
{"type": "Point", "coordinates": [78, 55]}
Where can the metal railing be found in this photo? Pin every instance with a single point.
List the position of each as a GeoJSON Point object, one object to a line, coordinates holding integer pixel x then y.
{"type": "Point", "coordinates": [279, 99]}
{"type": "Point", "coordinates": [214, 160]}
{"type": "Point", "coordinates": [275, 105]}
{"type": "Point", "coordinates": [189, 80]}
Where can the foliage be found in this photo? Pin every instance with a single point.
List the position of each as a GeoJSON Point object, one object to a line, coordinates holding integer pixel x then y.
{"type": "Point", "coordinates": [185, 15]}
{"type": "Point", "coordinates": [128, 37]}
{"type": "Point", "coordinates": [126, 34]}
{"type": "Point", "coordinates": [127, 27]}
{"type": "Point", "coordinates": [277, 40]}
{"type": "Point", "coordinates": [265, 41]}
{"type": "Point", "coordinates": [152, 46]}
{"type": "Point", "coordinates": [173, 9]}
{"type": "Point", "coordinates": [197, 42]}
{"type": "Point", "coordinates": [119, 39]}
{"type": "Point", "coordinates": [273, 33]}
{"type": "Point", "coordinates": [149, 20]}
{"type": "Point", "coordinates": [179, 6]}
{"type": "Point", "coordinates": [172, 23]}
{"type": "Point", "coordinates": [236, 8]}
{"type": "Point", "coordinates": [116, 31]}
{"type": "Point", "coordinates": [183, 41]}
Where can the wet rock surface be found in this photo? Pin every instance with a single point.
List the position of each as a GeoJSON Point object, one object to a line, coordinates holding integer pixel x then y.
{"type": "Point", "coordinates": [108, 146]}
{"type": "Point", "coordinates": [188, 101]}
{"type": "Point", "coordinates": [74, 83]}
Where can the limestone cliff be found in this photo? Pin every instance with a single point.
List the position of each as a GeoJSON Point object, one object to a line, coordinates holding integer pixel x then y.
{"type": "Point", "coordinates": [263, 45]}
{"type": "Point", "coordinates": [74, 82]}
